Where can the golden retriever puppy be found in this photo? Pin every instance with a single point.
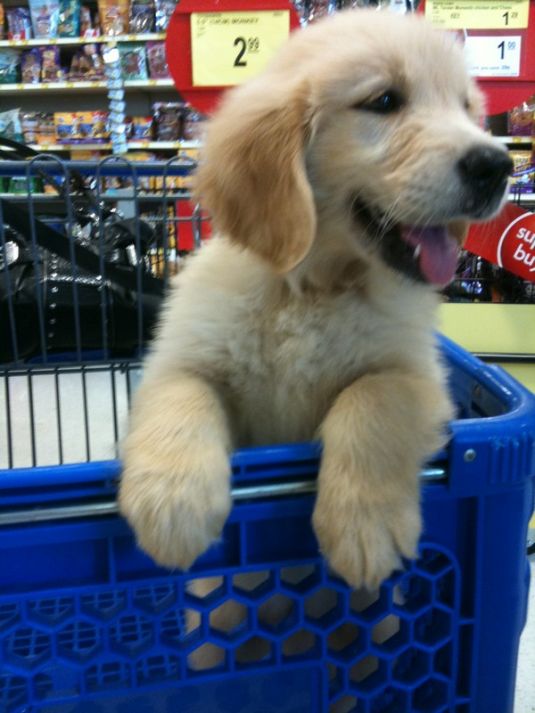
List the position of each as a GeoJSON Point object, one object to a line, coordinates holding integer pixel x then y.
{"type": "Point", "coordinates": [340, 183]}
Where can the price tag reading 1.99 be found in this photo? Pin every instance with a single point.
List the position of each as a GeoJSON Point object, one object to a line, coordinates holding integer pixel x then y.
{"type": "Point", "coordinates": [494, 56]}
{"type": "Point", "coordinates": [478, 14]}
{"type": "Point", "coordinates": [229, 47]}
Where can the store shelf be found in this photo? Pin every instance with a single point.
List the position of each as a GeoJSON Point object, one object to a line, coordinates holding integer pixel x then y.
{"type": "Point", "coordinates": [65, 87]}
{"type": "Point", "coordinates": [47, 148]}
{"type": "Point", "coordinates": [159, 145]}
{"type": "Point", "coordinates": [522, 198]}
{"type": "Point", "coordinates": [74, 41]}
{"type": "Point", "coordinates": [113, 195]}
{"type": "Point", "coordinates": [52, 87]}
{"type": "Point", "coordinates": [149, 84]}
{"type": "Point", "coordinates": [524, 140]}
{"type": "Point", "coordinates": [163, 145]}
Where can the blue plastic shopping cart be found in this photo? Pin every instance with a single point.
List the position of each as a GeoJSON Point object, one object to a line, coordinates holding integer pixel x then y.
{"type": "Point", "coordinates": [89, 624]}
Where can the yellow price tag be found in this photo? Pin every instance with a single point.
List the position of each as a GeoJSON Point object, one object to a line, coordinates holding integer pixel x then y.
{"type": "Point", "coordinates": [478, 14]}
{"type": "Point", "coordinates": [230, 47]}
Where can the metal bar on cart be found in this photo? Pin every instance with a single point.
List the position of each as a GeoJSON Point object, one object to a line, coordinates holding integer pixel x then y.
{"type": "Point", "coordinates": [239, 493]}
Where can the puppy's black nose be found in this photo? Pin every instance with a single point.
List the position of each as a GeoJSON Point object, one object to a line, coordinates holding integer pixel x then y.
{"type": "Point", "coordinates": [485, 168]}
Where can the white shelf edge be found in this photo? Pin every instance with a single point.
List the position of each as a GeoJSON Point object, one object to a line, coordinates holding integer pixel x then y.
{"type": "Point", "coordinates": [74, 41]}
{"type": "Point", "coordinates": [67, 86]}
{"type": "Point", "coordinates": [161, 145]}
{"type": "Point", "coordinates": [514, 139]}
{"type": "Point", "coordinates": [148, 83]}
{"type": "Point", "coordinates": [52, 87]}
{"type": "Point", "coordinates": [164, 145]}
{"type": "Point", "coordinates": [45, 148]}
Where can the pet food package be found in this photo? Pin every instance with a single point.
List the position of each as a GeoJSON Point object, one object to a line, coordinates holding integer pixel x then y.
{"type": "Point", "coordinates": [194, 125]}
{"type": "Point", "coordinates": [141, 128]}
{"type": "Point", "coordinates": [87, 28]}
{"type": "Point", "coordinates": [141, 17]}
{"type": "Point", "coordinates": [69, 18]}
{"type": "Point", "coordinates": [522, 162]}
{"type": "Point", "coordinates": [2, 22]}
{"type": "Point", "coordinates": [168, 120]}
{"type": "Point", "coordinates": [30, 126]}
{"type": "Point", "coordinates": [45, 18]}
{"type": "Point", "coordinates": [38, 128]}
{"type": "Point", "coordinates": [86, 155]}
{"type": "Point", "coordinates": [163, 11]}
{"type": "Point", "coordinates": [520, 119]}
{"type": "Point", "coordinates": [51, 70]}
{"type": "Point", "coordinates": [9, 65]}
{"type": "Point", "coordinates": [133, 61]}
{"type": "Point", "coordinates": [189, 158]}
{"type": "Point", "coordinates": [81, 127]}
{"type": "Point", "coordinates": [19, 23]}
{"type": "Point", "coordinates": [87, 64]}
{"type": "Point", "coordinates": [113, 16]}
{"type": "Point", "coordinates": [157, 60]}
{"type": "Point", "coordinates": [10, 125]}
{"type": "Point", "coordinates": [30, 66]}
{"type": "Point", "coordinates": [47, 129]}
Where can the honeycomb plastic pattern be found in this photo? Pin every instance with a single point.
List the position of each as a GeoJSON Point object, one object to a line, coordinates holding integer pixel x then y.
{"type": "Point", "coordinates": [392, 652]}
{"type": "Point", "coordinates": [89, 624]}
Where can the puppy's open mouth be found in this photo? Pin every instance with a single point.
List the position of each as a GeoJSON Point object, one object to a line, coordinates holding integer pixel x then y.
{"type": "Point", "coordinates": [426, 254]}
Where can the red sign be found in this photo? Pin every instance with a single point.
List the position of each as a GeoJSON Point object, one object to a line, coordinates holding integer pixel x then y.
{"type": "Point", "coordinates": [508, 241]}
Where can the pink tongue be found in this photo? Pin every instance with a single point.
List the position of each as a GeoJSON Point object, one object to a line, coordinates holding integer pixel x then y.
{"type": "Point", "coordinates": [438, 252]}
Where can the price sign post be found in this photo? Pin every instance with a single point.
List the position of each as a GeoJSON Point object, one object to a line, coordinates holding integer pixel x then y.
{"type": "Point", "coordinates": [215, 44]}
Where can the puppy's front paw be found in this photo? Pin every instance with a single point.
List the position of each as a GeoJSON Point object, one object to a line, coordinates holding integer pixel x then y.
{"type": "Point", "coordinates": [363, 539]}
{"type": "Point", "coordinates": [176, 506]}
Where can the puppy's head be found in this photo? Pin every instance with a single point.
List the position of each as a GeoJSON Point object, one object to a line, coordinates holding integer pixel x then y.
{"type": "Point", "coordinates": [361, 139]}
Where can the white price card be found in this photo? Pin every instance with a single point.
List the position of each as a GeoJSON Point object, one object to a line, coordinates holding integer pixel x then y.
{"type": "Point", "coordinates": [478, 14]}
{"type": "Point", "coordinates": [230, 47]}
{"type": "Point", "coordinates": [494, 56]}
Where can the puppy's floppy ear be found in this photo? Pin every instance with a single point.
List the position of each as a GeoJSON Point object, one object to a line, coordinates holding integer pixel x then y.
{"type": "Point", "coordinates": [252, 179]}
{"type": "Point", "coordinates": [459, 229]}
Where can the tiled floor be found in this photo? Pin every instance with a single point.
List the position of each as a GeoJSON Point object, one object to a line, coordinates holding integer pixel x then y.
{"type": "Point", "coordinates": [525, 682]}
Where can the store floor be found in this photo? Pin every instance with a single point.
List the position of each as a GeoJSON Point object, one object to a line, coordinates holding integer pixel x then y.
{"type": "Point", "coordinates": [525, 682]}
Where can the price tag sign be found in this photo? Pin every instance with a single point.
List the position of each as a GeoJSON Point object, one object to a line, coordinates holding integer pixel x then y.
{"type": "Point", "coordinates": [478, 14]}
{"type": "Point", "coordinates": [493, 56]}
{"type": "Point", "coordinates": [230, 47]}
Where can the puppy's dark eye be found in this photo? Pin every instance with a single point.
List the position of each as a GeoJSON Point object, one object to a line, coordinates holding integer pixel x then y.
{"type": "Point", "coordinates": [388, 103]}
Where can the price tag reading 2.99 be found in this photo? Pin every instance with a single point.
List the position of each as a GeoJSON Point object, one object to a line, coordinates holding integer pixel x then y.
{"type": "Point", "coordinates": [230, 47]}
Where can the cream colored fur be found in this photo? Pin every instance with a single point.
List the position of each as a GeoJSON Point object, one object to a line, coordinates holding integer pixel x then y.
{"type": "Point", "coordinates": [288, 324]}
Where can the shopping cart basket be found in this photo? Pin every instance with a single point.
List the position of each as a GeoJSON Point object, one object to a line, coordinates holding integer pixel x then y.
{"type": "Point", "coordinates": [89, 623]}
